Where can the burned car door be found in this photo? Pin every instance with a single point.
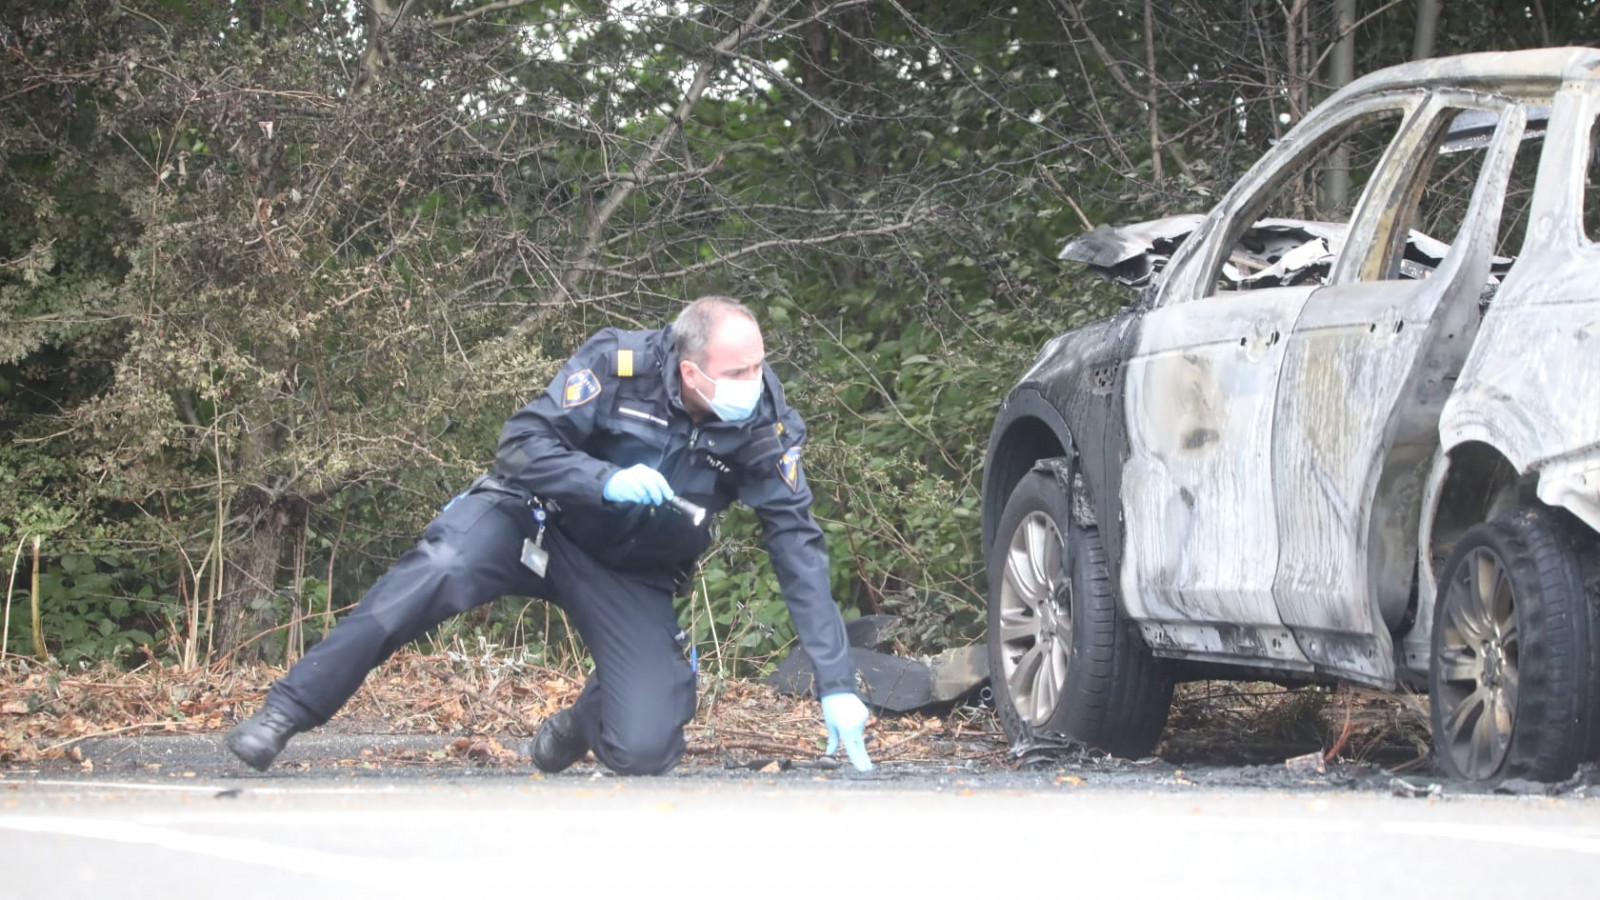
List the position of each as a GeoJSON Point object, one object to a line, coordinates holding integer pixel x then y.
{"type": "Point", "coordinates": [1528, 387]}
{"type": "Point", "coordinates": [1198, 494]}
{"type": "Point", "coordinates": [1201, 536]}
{"type": "Point", "coordinates": [1367, 368]}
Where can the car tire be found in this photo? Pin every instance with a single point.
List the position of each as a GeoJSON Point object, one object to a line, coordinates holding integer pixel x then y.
{"type": "Point", "coordinates": [1086, 675]}
{"type": "Point", "coordinates": [1514, 684]}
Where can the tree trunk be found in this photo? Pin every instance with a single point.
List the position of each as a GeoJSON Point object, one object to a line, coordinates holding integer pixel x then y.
{"type": "Point", "coordinates": [381, 17]}
{"type": "Point", "coordinates": [1151, 111]}
{"type": "Point", "coordinates": [253, 548]}
{"type": "Point", "coordinates": [1342, 65]}
{"type": "Point", "coordinates": [250, 584]}
{"type": "Point", "coordinates": [1427, 28]}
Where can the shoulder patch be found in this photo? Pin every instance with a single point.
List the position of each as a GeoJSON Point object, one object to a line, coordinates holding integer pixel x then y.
{"type": "Point", "coordinates": [581, 387]}
{"type": "Point", "coordinates": [789, 467]}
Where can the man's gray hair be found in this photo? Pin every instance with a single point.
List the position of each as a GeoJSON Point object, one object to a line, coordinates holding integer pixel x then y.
{"type": "Point", "coordinates": [691, 331]}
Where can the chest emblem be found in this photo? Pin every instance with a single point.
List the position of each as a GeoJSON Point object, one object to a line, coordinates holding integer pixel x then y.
{"type": "Point", "coordinates": [581, 387]}
{"type": "Point", "coordinates": [789, 468]}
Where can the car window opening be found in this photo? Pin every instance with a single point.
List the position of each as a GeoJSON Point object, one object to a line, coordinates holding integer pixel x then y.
{"type": "Point", "coordinates": [1301, 226]}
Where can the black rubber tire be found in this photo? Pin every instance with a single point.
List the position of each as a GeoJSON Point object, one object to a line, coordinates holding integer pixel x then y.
{"type": "Point", "coordinates": [1116, 695]}
{"type": "Point", "coordinates": [1548, 560]}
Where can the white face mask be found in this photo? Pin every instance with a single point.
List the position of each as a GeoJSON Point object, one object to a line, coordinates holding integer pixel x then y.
{"type": "Point", "coordinates": [735, 398]}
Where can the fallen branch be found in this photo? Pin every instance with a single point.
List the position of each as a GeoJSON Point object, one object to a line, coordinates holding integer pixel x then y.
{"type": "Point", "coordinates": [894, 749]}
{"type": "Point", "coordinates": [137, 726]}
{"type": "Point", "coordinates": [1344, 735]}
{"type": "Point", "coordinates": [714, 747]}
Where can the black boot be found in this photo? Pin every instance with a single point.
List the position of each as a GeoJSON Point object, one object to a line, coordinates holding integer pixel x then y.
{"type": "Point", "coordinates": [558, 743]}
{"type": "Point", "coordinates": [259, 739]}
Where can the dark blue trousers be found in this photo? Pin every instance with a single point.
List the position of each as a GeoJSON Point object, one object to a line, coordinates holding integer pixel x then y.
{"type": "Point", "coordinates": [633, 706]}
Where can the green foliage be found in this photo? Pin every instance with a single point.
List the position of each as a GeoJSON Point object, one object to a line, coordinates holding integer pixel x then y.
{"type": "Point", "coordinates": [733, 609]}
{"type": "Point", "coordinates": [92, 608]}
{"type": "Point", "coordinates": [271, 277]}
{"type": "Point", "coordinates": [904, 542]}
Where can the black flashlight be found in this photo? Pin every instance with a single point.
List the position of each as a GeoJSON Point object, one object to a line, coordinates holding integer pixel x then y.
{"type": "Point", "coordinates": [696, 514]}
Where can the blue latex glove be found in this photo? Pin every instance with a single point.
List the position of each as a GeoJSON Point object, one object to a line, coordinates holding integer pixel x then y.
{"type": "Point", "coordinates": [846, 717]}
{"type": "Point", "coordinates": [637, 484]}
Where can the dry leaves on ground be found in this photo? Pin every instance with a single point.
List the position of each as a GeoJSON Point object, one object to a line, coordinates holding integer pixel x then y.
{"type": "Point", "coordinates": [489, 703]}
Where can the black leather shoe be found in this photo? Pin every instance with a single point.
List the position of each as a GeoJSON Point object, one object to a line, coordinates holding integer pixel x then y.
{"type": "Point", "coordinates": [259, 739]}
{"type": "Point", "coordinates": [558, 743]}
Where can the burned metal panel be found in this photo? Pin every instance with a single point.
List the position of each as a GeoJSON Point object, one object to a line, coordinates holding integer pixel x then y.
{"type": "Point", "coordinates": [1365, 377]}
{"type": "Point", "coordinates": [1197, 496]}
{"type": "Point", "coordinates": [1074, 389]}
{"type": "Point", "coordinates": [1131, 254]}
{"type": "Point", "coordinates": [1416, 647]}
{"type": "Point", "coordinates": [1528, 387]}
{"type": "Point", "coordinates": [1094, 409]}
{"type": "Point", "coordinates": [1509, 71]}
{"type": "Point", "coordinates": [1271, 253]}
{"type": "Point", "coordinates": [1532, 395]}
{"type": "Point", "coordinates": [1346, 368]}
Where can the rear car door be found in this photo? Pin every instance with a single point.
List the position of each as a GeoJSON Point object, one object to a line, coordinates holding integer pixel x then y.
{"type": "Point", "coordinates": [1367, 368]}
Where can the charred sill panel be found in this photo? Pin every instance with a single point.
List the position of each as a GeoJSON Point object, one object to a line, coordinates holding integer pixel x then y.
{"type": "Point", "coordinates": [1225, 642]}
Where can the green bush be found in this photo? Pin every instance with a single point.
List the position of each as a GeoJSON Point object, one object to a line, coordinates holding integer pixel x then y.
{"type": "Point", "coordinates": [91, 608]}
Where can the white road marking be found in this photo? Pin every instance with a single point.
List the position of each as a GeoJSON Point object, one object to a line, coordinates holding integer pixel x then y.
{"type": "Point", "coordinates": [243, 788]}
{"type": "Point", "coordinates": [1534, 838]}
{"type": "Point", "coordinates": [161, 828]}
{"type": "Point", "coordinates": [124, 785]}
{"type": "Point", "coordinates": [245, 850]}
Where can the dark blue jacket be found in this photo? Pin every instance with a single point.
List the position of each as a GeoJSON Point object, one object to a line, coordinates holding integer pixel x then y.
{"type": "Point", "coordinates": [616, 403]}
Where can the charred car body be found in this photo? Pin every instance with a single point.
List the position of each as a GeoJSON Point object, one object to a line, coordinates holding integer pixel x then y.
{"type": "Point", "coordinates": [1348, 431]}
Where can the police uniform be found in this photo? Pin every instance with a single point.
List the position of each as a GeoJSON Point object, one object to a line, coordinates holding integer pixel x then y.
{"type": "Point", "coordinates": [613, 567]}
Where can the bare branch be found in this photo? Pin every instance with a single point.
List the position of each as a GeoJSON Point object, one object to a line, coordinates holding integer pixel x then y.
{"type": "Point", "coordinates": [479, 12]}
{"type": "Point", "coordinates": [641, 170]}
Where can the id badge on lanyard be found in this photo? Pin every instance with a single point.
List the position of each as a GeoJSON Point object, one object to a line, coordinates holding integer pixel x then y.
{"type": "Point", "coordinates": [534, 556]}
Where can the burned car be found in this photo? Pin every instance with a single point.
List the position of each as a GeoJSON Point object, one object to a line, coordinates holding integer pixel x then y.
{"type": "Point", "coordinates": [1347, 430]}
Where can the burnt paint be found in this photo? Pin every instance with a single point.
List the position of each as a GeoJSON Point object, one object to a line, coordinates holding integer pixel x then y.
{"type": "Point", "coordinates": [1058, 392]}
{"type": "Point", "coordinates": [1088, 423]}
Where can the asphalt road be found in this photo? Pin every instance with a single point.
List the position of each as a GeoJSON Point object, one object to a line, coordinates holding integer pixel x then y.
{"type": "Point", "coordinates": [195, 825]}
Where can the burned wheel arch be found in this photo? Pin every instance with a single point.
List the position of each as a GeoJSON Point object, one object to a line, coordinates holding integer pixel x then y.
{"type": "Point", "coordinates": [1479, 485]}
{"type": "Point", "coordinates": [1029, 430]}
{"type": "Point", "coordinates": [1470, 483]}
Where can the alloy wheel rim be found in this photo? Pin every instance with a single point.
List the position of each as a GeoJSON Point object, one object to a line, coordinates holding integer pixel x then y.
{"type": "Point", "coordinates": [1035, 618]}
{"type": "Point", "coordinates": [1479, 674]}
